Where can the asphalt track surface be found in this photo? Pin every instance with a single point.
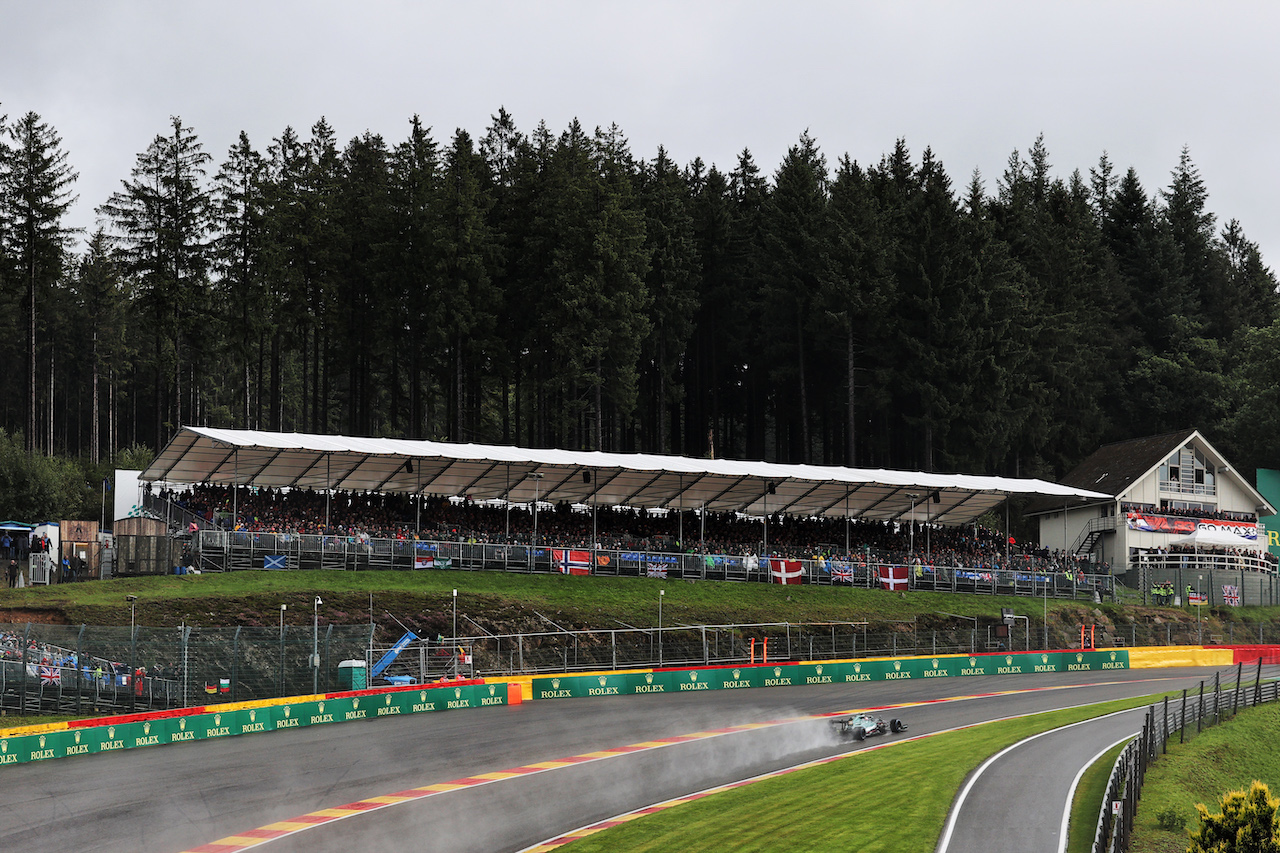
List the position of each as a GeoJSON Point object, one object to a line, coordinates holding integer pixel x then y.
{"type": "Point", "coordinates": [180, 796]}
{"type": "Point", "coordinates": [1015, 802]}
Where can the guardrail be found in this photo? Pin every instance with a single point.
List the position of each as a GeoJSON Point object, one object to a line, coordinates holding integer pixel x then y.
{"type": "Point", "coordinates": [1124, 787]}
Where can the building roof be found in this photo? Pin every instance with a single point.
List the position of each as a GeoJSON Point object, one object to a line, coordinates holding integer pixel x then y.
{"type": "Point", "coordinates": [483, 472]}
{"type": "Point", "coordinates": [1114, 468]}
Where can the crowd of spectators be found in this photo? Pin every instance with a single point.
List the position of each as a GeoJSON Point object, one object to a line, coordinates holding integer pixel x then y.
{"type": "Point", "coordinates": [364, 515]}
{"type": "Point", "coordinates": [1199, 513]}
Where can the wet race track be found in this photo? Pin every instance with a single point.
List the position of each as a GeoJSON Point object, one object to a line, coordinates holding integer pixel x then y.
{"type": "Point", "coordinates": [183, 796]}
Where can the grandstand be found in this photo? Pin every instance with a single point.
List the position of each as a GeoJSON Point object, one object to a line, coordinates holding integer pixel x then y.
{"type": "Point", "coordinates": [251, 499]}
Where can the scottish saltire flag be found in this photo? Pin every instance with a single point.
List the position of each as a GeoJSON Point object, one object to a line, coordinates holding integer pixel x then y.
{"type": "Point", "coordinates": [569, 562]}
{"type": "Point", "coordinates": [51, 675]}
{"type": "Point", "coordinates": [655, 570]}
{"type": "Point", "coordinates": [1231, 595]}
{"type": "Point", "coordinates": [274, 561]}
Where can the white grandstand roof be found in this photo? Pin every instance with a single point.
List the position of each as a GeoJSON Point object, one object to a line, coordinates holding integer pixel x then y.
{"type": "Point", "coordinates": [295, 460]}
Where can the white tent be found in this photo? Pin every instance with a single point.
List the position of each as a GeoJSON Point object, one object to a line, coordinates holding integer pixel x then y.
{"type": "Point", "coordinates": [1208, 537]}
{"type": "Point", "coordinates": [517, 474]}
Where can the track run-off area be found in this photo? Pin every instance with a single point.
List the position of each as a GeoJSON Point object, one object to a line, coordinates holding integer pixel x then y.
{"type": "Point", "coordinates": [502, 778]}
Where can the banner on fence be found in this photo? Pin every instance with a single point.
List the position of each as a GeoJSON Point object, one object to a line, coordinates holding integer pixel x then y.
{"type": "Point", "coordinates": [893, 577]}
{"type": "Point", "coordinates": [785, 571]}
{"type": "Point", "coordinates": [1231, 595]}
{"type": "Point", "coordinates": [571, 562]}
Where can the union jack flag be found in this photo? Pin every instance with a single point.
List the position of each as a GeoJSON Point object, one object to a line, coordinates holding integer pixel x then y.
{"type": "Point", "coordinates": [838, 574]}
{"type": "Point", "coordinates": [51, 675]}
{"type": "Point", "coordinates": [1231, 595]}
{"type": "Point", "coordinates": [654, 570]}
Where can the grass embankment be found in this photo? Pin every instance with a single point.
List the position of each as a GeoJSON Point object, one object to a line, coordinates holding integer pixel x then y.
{"type": "Point", "coordinates": [1088, 800]}
{"type": "Point", "coordinates": [1224, 758]}
{"type": "Point", "coordinates": [870, 802]}
{"type": "Point", "coordinates": [504, 603]}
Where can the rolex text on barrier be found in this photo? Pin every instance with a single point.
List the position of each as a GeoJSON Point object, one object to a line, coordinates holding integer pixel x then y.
{"type": "Point", "coordinates": [160, 731]}
{"type": "Point", "coordinates": [831, 672]}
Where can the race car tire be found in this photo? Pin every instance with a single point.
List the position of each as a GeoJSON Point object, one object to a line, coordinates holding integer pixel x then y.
{"type": "Point", "coordinates": [895, 725]}
{"type": "Point", "coordinates": [859, 733]}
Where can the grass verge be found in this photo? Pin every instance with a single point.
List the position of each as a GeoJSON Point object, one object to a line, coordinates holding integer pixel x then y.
{"type": "Point", "coordinates": [1088, 799]}
{"type": "Point", "coordinates": [876, 802]}
{"type": "Point", "coordinates": [1224, 758]}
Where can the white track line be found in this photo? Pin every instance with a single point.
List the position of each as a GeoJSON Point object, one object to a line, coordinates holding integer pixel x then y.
{"type": "Point", "coordinates": [964, 792]}
{"type": "Point", "coordinates": [1071, 794]}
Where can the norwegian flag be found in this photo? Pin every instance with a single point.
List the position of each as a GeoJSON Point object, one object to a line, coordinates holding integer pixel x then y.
{"type": "Point", "coordinates": [569, 562]}
{"type": "Point", "coordinates": [893, 577]}
{"type": "Point", "coordinates": [1231, 595]}
{"type": "Point", "coordinates": [654, 570]}
{"type": "Point", "coordinates": [784, 571]}
{"type": "Point", "coordinates": [50, 675]}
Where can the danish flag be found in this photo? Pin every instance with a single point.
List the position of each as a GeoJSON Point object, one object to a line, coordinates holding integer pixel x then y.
{"type": "Point", "coordinates": [893, 577]}
{"type": "Point", "coordinates": [785, 571]}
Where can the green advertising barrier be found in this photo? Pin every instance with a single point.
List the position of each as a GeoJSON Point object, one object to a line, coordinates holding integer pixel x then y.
{"type": "Point", "coordinates": [837, 672]}
{"type": "Point", "coordinates": [267, 718]}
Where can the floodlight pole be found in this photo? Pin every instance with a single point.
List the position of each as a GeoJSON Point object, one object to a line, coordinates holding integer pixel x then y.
{"type": "Point", "coordinates": [661, 594]}
{"type": "Point", "coordinates": [283, 608]}
{"type": "Point", "coordinates": [455, 632]}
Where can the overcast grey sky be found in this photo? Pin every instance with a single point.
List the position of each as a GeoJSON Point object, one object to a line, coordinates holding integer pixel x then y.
{"type": "Point", "coordinates": [973, 80]}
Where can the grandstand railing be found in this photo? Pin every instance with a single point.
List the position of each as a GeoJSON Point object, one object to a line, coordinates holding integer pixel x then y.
{"type": "Point", "coordinates": [242, 550]}
{"type": "Point", "coordinates": [1161, 724]}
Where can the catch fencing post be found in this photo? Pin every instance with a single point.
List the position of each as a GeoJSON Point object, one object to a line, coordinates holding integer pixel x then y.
{"type": "Point", "coordinates": [1164, 733]}
{"type": "Point", "coordinates": [1217, 692]}
{"type": "Point", "coordinates": [1182, 729]}
{"type": "Point", "coordinates": [1257, 684]}
{"type": "Point", "coordinates": [1200, 710]}
{"type": "Point", "coordinates": [1235, 694]}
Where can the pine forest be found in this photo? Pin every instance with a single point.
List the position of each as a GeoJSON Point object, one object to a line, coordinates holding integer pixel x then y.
{"type": "Point", "coordinates": [556, 289]}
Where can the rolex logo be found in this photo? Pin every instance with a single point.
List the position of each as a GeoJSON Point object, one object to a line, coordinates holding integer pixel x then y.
{"type": "Point", "coordinates": [1044, 658]}
{"type": "Point", "coordinates": [602, 680]}
{"type": "Point", "coordinates": [217, 718]}
{"type": "Point", "coordinates": [4, 746]}
{"type": "Point", "coordinates": [422, 696]}
{"type": "Point", "coordinates": [973, 661]}
{"type": "Point", "coordinates": [253, 716]}
{"type": "Point", "coordinates": [286, 711]}
{"type": "Point", "coordinates": [935, 663]}
{"type": "Point", "coordinates": [1113, 655]}
{"type": "Point", "coordinates": [457, 693]}
{"type": "Point", "coordinates": [897, 664]}
{"type": "Point", "coordinates": [182, 724]}
{"type": "Point", "coordinates": [857, 667]}
{"type": "Point", "coordinates": [1008, 660]}
{"type": "Point", "coordinates": [693, 676]}
{"type": "Point", "coordinates": [491, 689]}
{"type": "Point", "coordinates": [388, 698]}
{"type": "Point", "coordinates": [737, 673]}
{"type": "Point", "coordinates": [648, 678]}
{"type": "Point", "coordinates": [42, 741]}
{"type": "Point", "coordinates": [355, 703]}
{"type": "Point", "coordinates": [146, 730]}
{"type": "Point", "coordinates": [819, 669]}
{"type": "Point", "coordinates": [555, 684]}
{"type": "Point", "coordinates": [321, 707]}
{"type": "Point", "coordinates": [1079, 657]}
{"type": "Point", "coordinates": [777, 672]}
{"type": "Point", "coordinates": [111, 732]}
{"type": "Point", "coordinates": [77, 737]}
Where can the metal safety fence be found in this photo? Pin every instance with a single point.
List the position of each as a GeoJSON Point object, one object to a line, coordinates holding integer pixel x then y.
{"type": "Point", "coordinates": [1160, 725]}
{"type": "Point", "coordinates": [78, 669]}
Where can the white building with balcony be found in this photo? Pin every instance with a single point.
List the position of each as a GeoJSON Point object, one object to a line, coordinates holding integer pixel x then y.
{"type": "Point", "coordinates": [1163, 488]}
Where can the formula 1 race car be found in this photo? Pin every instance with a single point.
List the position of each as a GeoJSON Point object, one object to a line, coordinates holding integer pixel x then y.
{"type": "Point", "coordinates": [861, 726]}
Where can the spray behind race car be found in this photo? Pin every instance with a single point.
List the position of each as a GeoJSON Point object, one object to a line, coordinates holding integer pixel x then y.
{"type": "Point", "coordinates": [864, 725]}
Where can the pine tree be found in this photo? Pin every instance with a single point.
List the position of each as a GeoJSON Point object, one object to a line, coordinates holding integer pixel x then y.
{"type": "Point", "coordinates": [36, 195]}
